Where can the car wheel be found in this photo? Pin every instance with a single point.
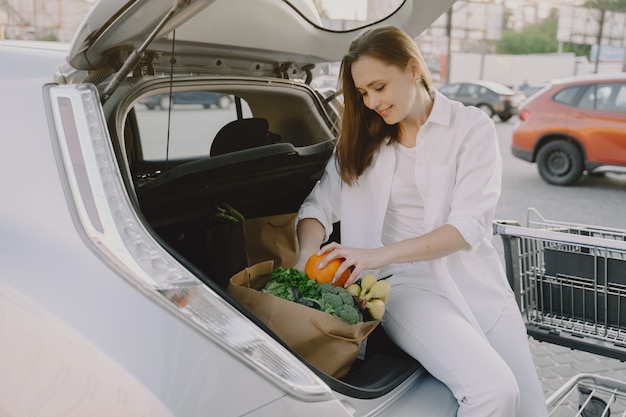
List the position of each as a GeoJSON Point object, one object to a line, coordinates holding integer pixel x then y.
{"type": "Point", "coordinates": [560, 163]}
{"type": "Point", "coordinates": [505, 117]}
{"type": "Point", "coordinates": [595, 407]}
{"type": "Point", "coordinates": [486, 108]}
{"type": "Point", "coordinates": [224, 102]}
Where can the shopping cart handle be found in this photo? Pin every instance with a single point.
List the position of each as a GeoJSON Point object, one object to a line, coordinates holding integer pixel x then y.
{"type": "Point", "coordinates": [503, 222]}
{"type": "Point", "coordinates": [558, 235]}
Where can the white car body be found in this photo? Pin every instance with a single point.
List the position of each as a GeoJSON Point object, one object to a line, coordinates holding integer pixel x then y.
{"type": "Point", "coordinates": [91, 322]}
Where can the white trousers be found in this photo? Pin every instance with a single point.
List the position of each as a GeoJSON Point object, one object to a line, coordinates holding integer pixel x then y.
{"type": "Point", "coordinates": [493, 377]}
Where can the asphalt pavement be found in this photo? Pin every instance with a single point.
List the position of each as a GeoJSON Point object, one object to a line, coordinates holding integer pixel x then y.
{"type": "Point", "coordinates": [558, 365]}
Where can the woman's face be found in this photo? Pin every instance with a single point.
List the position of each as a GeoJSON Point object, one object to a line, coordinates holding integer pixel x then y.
{"type": "Point", "coordinates": [388, 90]}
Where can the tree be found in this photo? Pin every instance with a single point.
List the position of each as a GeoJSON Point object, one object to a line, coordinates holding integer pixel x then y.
{"type": "Point", "coordinates": [611, 5]}
{"type": "Point", "coordinates": [539, 38]}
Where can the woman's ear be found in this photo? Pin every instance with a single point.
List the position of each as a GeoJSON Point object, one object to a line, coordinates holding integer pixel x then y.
{"type": "Point", "coordinates": [415, 70]}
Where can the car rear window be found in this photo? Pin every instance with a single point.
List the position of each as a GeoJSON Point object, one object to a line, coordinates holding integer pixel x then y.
{"type": "Point", "coordinates": [567, 95]}
{"type": "Point", "coordinates": [165, 135]}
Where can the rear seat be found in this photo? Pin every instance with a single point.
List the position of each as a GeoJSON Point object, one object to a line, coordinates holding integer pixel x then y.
{"type": "Point", "coordinates": [254, 174]}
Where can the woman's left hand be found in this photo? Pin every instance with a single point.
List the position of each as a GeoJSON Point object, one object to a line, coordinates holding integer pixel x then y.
{"type": "Point", "coordinates": [357, 260]}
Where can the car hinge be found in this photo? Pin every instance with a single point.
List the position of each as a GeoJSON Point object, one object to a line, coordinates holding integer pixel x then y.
{"type": "Point", "coordinates": [282, 70]}
{"type": "Point", "coordinates": [138, 54]}
{"type": "Point", "coordinates": [145, 67]}
{"type": "Point", "coordinates": [308, 70]}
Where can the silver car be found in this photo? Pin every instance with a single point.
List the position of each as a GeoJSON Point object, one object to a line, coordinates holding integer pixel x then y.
{"type": "Point", "coordinates": [113, 296]}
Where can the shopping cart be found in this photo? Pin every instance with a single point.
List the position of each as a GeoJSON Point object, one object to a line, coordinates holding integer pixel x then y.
{"type": "Point", "coordinates": [588, 395]}
{"type": "Point", "coordinates": [570, 283]}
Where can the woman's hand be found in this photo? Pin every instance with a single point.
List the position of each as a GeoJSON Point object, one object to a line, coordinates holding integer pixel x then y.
{"type": "Point", "coordinates": [357, 260]}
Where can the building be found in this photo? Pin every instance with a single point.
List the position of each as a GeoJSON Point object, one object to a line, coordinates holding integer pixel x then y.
{"type": "Point", "coordinates": [41, 19]}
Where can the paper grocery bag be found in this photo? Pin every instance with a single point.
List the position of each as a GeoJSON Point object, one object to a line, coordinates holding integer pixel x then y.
{"type": "Point", "coordinates": [323, 340]}
{"type": "Point", "coordinates": [233, 246]}
{"type": "Point", "coordinates": [271, 238]}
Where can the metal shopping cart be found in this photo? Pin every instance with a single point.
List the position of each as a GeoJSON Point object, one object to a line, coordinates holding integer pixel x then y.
{"type": "Point", "coordinates": [588, 395]}
{"type": "Point", "coordinates": [570, 283]}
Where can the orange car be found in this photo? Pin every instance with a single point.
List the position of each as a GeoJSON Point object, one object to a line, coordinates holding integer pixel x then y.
{"type": "Point", "coordinates": [574, 125]}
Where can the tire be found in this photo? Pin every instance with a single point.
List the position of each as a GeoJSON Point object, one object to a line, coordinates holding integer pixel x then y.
{"type": "Point", "coordinates": [224, 102]}
{"type": "Point", "coordinates": [560, 163]}
{"type": "Point", "coordinates": [505, 117]}
{"type": "Point", "coordinates": [595, 408]}
{"type": "Point", "coordinates": [486, 108]}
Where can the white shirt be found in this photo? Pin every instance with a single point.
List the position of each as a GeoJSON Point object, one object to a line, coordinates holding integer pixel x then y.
{"type": "Point", "coordinates": [458, 170]}
{"type": "Point", "coordinates": [404, 217]}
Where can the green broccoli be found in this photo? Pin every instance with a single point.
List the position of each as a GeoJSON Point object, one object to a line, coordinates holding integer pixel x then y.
{"type": "Point", "coordinates": [330, 302]}
{"type": "Point", "coordinates": [348, 313]}
{"type": "Point", "coordinates": [346, 297]}
{"type": "Point", "coordinates": [325, 287]}
{"type": "Point", "coordinates": [294, 285]}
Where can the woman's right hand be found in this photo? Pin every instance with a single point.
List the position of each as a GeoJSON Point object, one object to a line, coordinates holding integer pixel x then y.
{"type": "Point", "coordinates": [310, 237]}
{"type": "Point", "coordinates": [300, 265]}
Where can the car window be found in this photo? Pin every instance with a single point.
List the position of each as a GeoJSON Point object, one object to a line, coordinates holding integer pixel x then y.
{"type": "Point", "coordinates": [604, 96]}
{"type": "Point", "coordinates": [344, 15]}
{"type": "Point", "coordinates": [588, 99]}
{"type": "Point", "coordinates": [449, 89]}
{"type": "Point", "coordinates": [469, 89]}
{"type": "Point", "coordinates": [164, 138]}
{"type": "Point", "coordinates": [620, 98]}
{"type": "Point", "coordinates": [567, 95]}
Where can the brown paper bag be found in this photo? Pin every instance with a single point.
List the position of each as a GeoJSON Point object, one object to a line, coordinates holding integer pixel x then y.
{"type": "Point", "coordinates": [325, 341]}
{"type": "Point", "coordinates": [232, 247]}
{"type": "Point", "coordinates": [271, 238]}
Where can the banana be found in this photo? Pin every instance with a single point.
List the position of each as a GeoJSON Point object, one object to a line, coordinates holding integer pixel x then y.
{"type": "Point", "coordinates": [354, 290]}
{"type": "Point", "coordinates": [371, 295]}
{"type": "Point", "coordinates": [380, 290]}
{"type": "Point", "coordinates": [376, 308]}
{"type": "Point", "coordinates": [367, 281]}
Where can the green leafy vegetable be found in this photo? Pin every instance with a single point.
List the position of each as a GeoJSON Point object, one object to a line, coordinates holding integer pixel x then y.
{"type": "Point", "coordinates": [293, 285]}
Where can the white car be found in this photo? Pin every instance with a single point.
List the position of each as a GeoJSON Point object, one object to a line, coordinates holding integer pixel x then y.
{"type": "Point", "coordinates": [107, 207]}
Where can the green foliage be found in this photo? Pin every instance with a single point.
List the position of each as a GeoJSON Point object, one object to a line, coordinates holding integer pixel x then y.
{"type": "Point", "coordinates": [538, 38]}
{"type": "Point", "coordinates": [293, 285]}
{"type": "Point", "coordinates": [612, 5]}
{"type": "Point", "coordinates": [50, 37]}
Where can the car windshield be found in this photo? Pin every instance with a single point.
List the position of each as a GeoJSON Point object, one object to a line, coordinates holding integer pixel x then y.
{"type": "Point", "coordinates": [345, 15]}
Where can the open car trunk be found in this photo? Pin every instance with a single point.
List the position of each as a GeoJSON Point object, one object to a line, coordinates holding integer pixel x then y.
{"type": "Point", "coordinates": [262, 155]}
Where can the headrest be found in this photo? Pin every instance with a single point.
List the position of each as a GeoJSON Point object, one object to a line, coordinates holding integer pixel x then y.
{"type": "Point", "coordinates": [240, 134]}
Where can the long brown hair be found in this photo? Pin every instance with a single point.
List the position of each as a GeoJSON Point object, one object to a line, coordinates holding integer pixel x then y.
{"type": "Point", "coordinates": [362, 130]}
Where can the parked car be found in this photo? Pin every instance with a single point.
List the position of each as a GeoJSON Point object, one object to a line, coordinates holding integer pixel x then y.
{"type": "Point", "coordinates": [493, 98]}
{"type": "Point", "coordinates": [573, 126]}
{"type": "Point", "coordinates": [112, 296]}
{"type": "Point", "coordinates": [530, 90]}
{"type": "Point", "coordinates": [206, 99]}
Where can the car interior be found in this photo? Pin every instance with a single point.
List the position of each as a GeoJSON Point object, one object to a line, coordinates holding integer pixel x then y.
{"type": "Point", "coordinates": [260, 157]}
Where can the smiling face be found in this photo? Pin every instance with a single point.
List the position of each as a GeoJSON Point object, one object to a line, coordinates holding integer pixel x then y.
{"type": "Point", "coordinates": [387, 89]}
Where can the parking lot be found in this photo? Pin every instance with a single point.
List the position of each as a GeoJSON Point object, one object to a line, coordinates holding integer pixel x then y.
{"type": "Point", "coordinates": [593, 201]}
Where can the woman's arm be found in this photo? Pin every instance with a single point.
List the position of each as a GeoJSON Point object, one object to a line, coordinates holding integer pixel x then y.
{"type": "Point", "coordinates": [310, 237]}
{"type": "Point", "coordinates": [433, 245]}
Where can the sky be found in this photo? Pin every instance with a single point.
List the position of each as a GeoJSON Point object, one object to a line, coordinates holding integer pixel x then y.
{"type": "Point", "coordinates": [346, 9]}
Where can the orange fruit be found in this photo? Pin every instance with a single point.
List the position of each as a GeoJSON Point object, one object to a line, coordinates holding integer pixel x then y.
{"type": "Point", "coordinates": [327, 273]}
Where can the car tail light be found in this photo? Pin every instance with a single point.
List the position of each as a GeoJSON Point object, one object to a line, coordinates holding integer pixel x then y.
{"type": "Point", "coordinates": [107, 218]}
{"type": "Point", "coordinates": [523, 115]}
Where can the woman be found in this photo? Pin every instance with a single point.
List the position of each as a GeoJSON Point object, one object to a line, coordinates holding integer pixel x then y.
{"type": "Point", "coordinates": [415, 180]}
